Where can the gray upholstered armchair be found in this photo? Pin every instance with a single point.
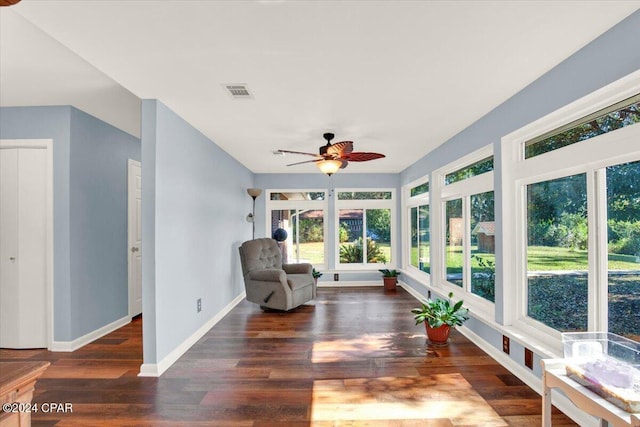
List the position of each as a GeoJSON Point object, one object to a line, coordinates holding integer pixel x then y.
{"type": "Point", "coordinates": [270, 283]}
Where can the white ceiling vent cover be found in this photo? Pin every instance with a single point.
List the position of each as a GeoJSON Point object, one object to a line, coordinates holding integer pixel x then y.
{"type": "Point", "coordinates": [238, 91]}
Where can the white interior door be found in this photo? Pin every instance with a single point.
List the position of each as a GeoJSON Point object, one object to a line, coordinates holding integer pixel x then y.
{"type": "Point", "coordinates": [23, 248]}
{"type": "Point", "coordinates": [135, 237]}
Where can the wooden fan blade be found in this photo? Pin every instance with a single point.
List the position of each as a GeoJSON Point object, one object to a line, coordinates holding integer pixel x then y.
{"type": "Point", "coordinates": [306, 161]}
{"type": "Point", "coordinates": [361, 156]}
{"type": "Point", "coordinates": [344, 164]}
{"type": "Point", "coordinates": [299, 152]}
{"type": "Point", "coordinates": [340, 148]}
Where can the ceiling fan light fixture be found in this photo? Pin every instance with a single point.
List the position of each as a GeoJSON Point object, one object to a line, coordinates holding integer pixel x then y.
{"type": "Point", "coordinates": [329, 166]}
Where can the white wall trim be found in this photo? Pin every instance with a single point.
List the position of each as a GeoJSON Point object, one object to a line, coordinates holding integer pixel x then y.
{"type": "Point", "coordinates": [68, 346]}
{"type": "Point", "coordinates": [528, 377]}
{"type": "Point", "coordinates": [412, 291]}
{"type": "Point", "coordinates": [559, 401]}
{"type": "Point", "coordinates": [157, 369]}
{"type": "Point", "coordinates": [349, 283]}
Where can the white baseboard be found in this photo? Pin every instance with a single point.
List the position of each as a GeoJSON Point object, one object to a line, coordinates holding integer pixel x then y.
{"type": "Point", "coordinates": [529, 378]}
{"type": "Point", "coordinates": [68, 346]}
{"type": "Point", "coordinates": [411, 291]}
{"type": "Point", "coordinates": [524, 374]}
{"type": "Point", "coordinates": [348, 284]}
{"type": "Point", "coordinates": [157, 369]}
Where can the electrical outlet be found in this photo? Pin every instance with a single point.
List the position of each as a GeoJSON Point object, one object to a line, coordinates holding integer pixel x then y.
{"type": "Point", "coordinates": [528, 358]}
{"type": "Point", "coordinates": [505, 344]}
{"type": "Point", "coordinates": [428, 293]}
{"type": "Point", "coordinates": [336, 277]}
{"type": "Point", "coordinates": [199, 305]}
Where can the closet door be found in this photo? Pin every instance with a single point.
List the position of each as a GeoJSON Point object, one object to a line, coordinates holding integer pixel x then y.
{"type": "Point", "coordinates": [23, 254]}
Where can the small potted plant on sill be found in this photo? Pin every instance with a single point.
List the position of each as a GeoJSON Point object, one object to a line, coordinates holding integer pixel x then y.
{"type": "Point", "coordinates": [390, 278]}
{"type": "Point", "coordinates": [439, 316]}
{"type": "Point", "coordinates": [316, 275]}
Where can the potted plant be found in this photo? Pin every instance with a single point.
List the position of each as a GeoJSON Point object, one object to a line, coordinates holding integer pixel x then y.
{"type": "Point", "coordinates": [390, 278]}
{"type": "Point", "coordinates": [316, 275]}
{"type": "Point", "coordinates": [439, 316]}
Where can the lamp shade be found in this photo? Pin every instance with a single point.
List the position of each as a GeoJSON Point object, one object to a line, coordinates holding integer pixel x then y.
{"type": "Point", "coordinates": [329, 166]}
{"type": "Point", "coordinates": [254, 192]}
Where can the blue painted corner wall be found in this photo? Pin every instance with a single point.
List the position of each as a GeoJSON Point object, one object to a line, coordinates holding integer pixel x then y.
{"type": "Point", "coordinates": [90, 212]}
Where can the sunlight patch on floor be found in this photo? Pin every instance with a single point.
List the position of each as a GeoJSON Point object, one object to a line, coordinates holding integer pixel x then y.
{"type": "Point", "coordinates": [366, 346]}
{"type": "Point", "coordinates": [437, 397]}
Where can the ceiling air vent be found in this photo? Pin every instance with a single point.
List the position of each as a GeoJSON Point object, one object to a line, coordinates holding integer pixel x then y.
{"type": "Point", "coordinates": [238, 91]}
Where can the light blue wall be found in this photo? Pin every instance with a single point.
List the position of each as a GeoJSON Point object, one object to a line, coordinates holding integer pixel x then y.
{"type": "Point", "coordinates": [336, 181]}
{"type": "Point", "coordinates": [148, 133]}
{"type": "Point", "coordinates": [98, 216]}
{"type": "Point", "coordinates": [198, 212]}
{"type": "Point", "coordinates": [51, 123]}
{"type": "Point", "coordinates": [608, 58]}
{"type": "Point", "coordinates": [89, 198]}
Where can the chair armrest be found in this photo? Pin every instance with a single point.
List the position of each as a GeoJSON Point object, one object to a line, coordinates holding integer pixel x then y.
{"type": "Point", "coordinates": [302, 268]}
{"type": "Point", "coordinates": [268, 275]}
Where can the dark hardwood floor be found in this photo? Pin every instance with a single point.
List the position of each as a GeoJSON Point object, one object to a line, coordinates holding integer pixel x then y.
{"type": "Point", "coordinates": [352, 358]}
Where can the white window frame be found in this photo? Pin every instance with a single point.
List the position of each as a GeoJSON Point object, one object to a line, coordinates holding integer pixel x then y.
{"type": "Point", "coordinates": [365, 204]}
{"type": "Point", "coordinates": [589, 156]}
{"type": "Point", "coordinates": [440, 194]}
{"type": "Point", "coordinates": [323, 205]}
{"type": "Point", "coordinates": [409, 202]}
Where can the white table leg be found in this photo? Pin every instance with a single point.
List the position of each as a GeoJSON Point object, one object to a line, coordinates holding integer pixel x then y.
{"type": "Point", "coordinates": [546, 402]}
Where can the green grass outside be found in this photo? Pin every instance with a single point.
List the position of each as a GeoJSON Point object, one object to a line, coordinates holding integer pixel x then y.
{"type": "Point", "coordinates": [540, 258]}
{"type": "Point", "coordinates": [314, 252]}
{"type": "Point", "coordinates": [454, 259]}
{"type": "Point", "coordinates": [425, 253]}
{"type": "Point", "coordinates": [544, 258]}
{"type": "Point", "coordinates": [556, 258]}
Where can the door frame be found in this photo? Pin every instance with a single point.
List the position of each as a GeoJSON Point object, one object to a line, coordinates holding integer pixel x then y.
{"type": "Point", "coordinates": [130, 220]}
{"type": "Point", "coordinates": [46, 144]}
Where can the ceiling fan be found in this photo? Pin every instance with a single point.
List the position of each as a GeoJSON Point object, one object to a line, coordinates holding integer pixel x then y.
{"type": "Point", "coordinates": [335, 156]}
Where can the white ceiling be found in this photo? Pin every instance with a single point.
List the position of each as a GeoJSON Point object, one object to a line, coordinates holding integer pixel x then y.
{"type": "Point", "coordinates": [396, 77]}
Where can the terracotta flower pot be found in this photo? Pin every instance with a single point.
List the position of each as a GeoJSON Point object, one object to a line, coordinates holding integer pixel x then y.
{"type": "Point", "coordinates": [390, 283]}
{"type": "Point", "coordinates": [439, 335]}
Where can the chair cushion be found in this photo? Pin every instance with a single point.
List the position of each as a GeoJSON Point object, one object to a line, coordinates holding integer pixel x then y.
{"type": "Point", "coordinates": [262, 253]}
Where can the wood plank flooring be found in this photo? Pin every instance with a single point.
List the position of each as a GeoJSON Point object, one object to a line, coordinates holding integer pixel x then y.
{"type": "Point", "coordinates": [353, 357]}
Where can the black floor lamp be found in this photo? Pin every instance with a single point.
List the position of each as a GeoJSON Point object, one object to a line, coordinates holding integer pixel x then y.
{"type": "Point", "coordinates": [253, 192]}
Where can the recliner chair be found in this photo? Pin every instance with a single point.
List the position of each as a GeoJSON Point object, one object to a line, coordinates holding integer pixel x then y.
{"type": "Point", "coordinates": [270, 283]}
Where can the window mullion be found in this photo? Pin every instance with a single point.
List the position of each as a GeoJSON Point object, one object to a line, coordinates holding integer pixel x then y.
{"type": "Point", "coordinates": [599, 259]}
{"type": "Point", "coordinates": [365, 256]}
{"type": "Point", "coordinates": [298, 212]}
{"type": "Point", "coordinates": [466, 244]}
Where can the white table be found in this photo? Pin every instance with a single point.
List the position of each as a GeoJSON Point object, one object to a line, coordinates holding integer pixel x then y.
{"type": "Point", "coordinates": [554, 375]}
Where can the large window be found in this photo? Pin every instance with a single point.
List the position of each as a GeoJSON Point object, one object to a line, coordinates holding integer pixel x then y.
{"type": "Point", "coordinates": [417, 208]}
{"type": "Point", "coordinates": [572, 222]}
{"type": "Point", "coordinates": [483, 245]}
{"type": "Point", "coordinates": [297, 221]}
{"type": "Point", "coordinates": [454, 242]}
{"type": "Point", "coordinates": [557, 264]}
{"type": "Point", "coordinates": [623, 247]}
{"type": "Point", "coordinates": [558, 261]}
{"type": "Point", "coordinates": [617, 116]}
{"type": "Point", "coordinates": [468, 236]}
{"type": "Point", "coordinates": [365, 228]}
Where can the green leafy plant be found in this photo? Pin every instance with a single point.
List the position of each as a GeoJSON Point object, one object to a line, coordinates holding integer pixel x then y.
{"type": "Point", "coordinates": [483, 282]}
{"type": "Point", "coordinates": [389, 273]}
{"type": "Point", "coordinates": [316, 274]}
{"type": "Point", "coordinates": [352, 252]}
{"type": "Point", "coordinates": [437, 312]}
